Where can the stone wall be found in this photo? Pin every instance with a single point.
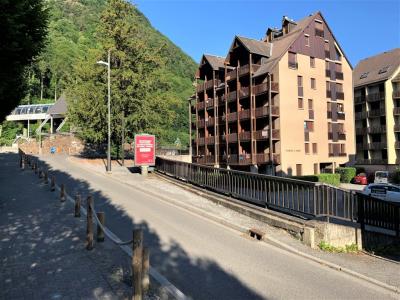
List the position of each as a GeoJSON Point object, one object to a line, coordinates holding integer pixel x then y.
{"type": "Point", "coordinates": [64, 144]}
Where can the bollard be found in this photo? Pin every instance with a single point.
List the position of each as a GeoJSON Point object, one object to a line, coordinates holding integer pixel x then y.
{"type": "Point", "coordinates": [21, 160]}
{"type": "Point", "coordinates": [137, 263]}
{"type": "Point", "coordinates": [62, 192]}
{"type": "Point", "coordinates": [46, 177]}
{"type": "Point", "coordinates": [77, 206]}
{"type": "Point", "coordinates": [100, 233]}
{"type": "Point", "coordinates": [145, 269]}
{"type": "Point", "coordinates": [53, 184]}
{"type": "Point", "coordinates": [89, 227]}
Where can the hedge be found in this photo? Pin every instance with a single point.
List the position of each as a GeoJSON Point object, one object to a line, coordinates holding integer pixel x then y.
{"type": "Point", "coordinates": [346, 173]}
{"type": "Point", "coordinates": [333, 179]}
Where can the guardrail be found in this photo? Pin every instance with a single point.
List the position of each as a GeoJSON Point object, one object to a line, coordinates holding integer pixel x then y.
{"type": "Point", "coordinates": [297, 197]}
{"type": "Point", "coordinates": [285, 194]}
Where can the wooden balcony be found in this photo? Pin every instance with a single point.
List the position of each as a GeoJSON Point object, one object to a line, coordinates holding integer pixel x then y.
{"type": "Point", "coordinates": [232, 117]}
{"type": "Point", "coordinates": [319, 32]}
{"type": "Point", "coordinates": [201, 105]}
{"type": "Point", "coordinates": [260, 135]}
{"type": "Point", "coordinates": [262, 158]}
{"type": "Point", "coordinates": [232, 138]}
{"type": "Point", "coordinates": [376, 129]}
{"type": "Point", "coordinates": [200, 141]}
{"type": "Point", "coordinates": [244, 70]}
{"type": "Point", "coordinates": [245, 136]}
{"type": "Point", "coordinates": [264, 111]}
{"type": "Point", "coordinates": [232, 96]}
{"type": "Point", "coordinates": [207, 159]}
{"type": "Point", "coordinates": [359, 99]}
{"type": "Point", "coordinates": [209, 103]}
{"type": "Point", "coordinates": [396, 94]}
{"type": "Point", "coordinates": [211, 83]}
{"type": "Point", "coordinates": [210, 121]}
{"type": "Point", "coordinates": [210, 140]}
{"type": "Point", "coordinates": [339, 75]}
{"type": "Point", "coordinates": [263, 88]}
{"type": "Point", "coordinates": [244, 159]}
{"type": "Point", "coordinates": [221, 100]}
{"type": "Point", "coordinates": [200, 123]}
{"type": "Point", "coordinates": [375, 97]}
{"type": "Point", "coordinates": [396, 111]}
{"type": "Point", "coordinates": [244, 114]}
{"type": "Point", "coordinates": [231, 75]}
{"type": "Point", "coordinates": [339, 95]}
{"type": "Point", "coordinates": [376, 113]}
{"type": "Point", "coordinates": [244, 92]}
{"type": "Point", "coordinates": [200, 87]}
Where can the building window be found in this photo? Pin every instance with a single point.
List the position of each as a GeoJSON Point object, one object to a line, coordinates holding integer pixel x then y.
{"type": "Point", "coordinates": [313, 86]}
{"type": "Point", "coordinates": [299, 81]}
{"type": "Point", "coordinates": [292, 60]}
{"type": "Point", "coordinates": [312, 62]}
{"type": "Point", "coordinates": [307, 38]}
{"type": "Point", "coordinates": [310, 104]}
{"type": "Point", "coordinates": [339, 87]}
{"type": "Point", "coordinates": [327, 50]}
{"type": "Point", "coordinates": [307, 148]}
{"type": "Point", "coordinates": [314, 148]}
{"type": "Point", "coordinates": [300, 103]}
{"type": "Point", "coordinates": [319, 28]}
{"type": "Point", "coordinates": [309, 125]}
{"type": "Point", "coordinates": [299, 170]}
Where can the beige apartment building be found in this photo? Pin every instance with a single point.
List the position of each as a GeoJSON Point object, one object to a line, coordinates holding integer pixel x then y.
{"type": "Point", "coordinates": [281, 105]}
{"type": "Point", "coordinates": [377, 111]}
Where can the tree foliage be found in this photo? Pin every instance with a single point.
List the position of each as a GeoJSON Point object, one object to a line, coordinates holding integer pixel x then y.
{"type": "Point", "coordinates": [22, 30]}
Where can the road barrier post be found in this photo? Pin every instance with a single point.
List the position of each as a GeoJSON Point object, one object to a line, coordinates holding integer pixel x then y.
{"type": "Point", "coordinates": [100, 233]}
{"type": "Point", "coordinates": [137, 263]}
{"type": "Point", "coordinates": [62, 193]}
{"type": "Point", "coordinates": [53, 183]}
{"type": "Point", "coordinates": [145, 269]}
{"type": "Point", "coordinates": [89, 227]}
{"type": "Point", "coordinates": [77, 205]}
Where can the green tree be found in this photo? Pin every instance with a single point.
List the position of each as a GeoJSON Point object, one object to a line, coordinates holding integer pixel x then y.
{"type": "Point", "coordinates": [22, 29]}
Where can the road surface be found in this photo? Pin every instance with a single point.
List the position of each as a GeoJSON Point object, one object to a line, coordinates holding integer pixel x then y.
{"type": "Point", "coordinates": [206, 260]}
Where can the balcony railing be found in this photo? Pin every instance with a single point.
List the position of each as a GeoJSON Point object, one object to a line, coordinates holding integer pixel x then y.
{"type": "Point", "coordinates": [263, 88]}
{"type": "Point", "coordinates": [244, 92]}
{"type": "Point", "coordinates": [264, 111]}
{"type": "Point", "coordinates": [339, 75]}
{"type": "Point", "coordinates": [245, 136]}
{"type": "Point", "coordinates": [207, 159]}
{"type": "Point", "coordinates": [244, 159]}
{"type": "Point", "coordinates": [210, 121]}
{"type": "Point", "coordinates": [201, 123]}
{"type": "Point", "coordinates": [231, 75]}
{"type": "Point", "coordinates": [396, 94]}
{"type": "Point", "coordinates": [232, 96]}
{"type": "Point", "coordinates": [396, 111]}
{"type": "Point", "coordinates": [359, 99]}
{"type": "Point", "coordinates": [376, 113]}
{"type": "Point", "coordinates": [244, 114]}
{"type": "Point", "coordinates": [231, 117]}
{"type": "Point", "coordinates": [244, 70]}
{"type": "Point", "coordinates": [319, 32]}
{"type": "Point", "coordinates": [261, 134]}
{"type": "Point", "coordinates": [375, 97]}
{"type": "Point", "coordinates": [201, 105]}
{"type": "Point", "coordinates": [200, 141]}
{"type": "Point", "coordinates": [275, 134]}
{"type": "Point", "coordinates": [221, 100]}
{"type": "Point", "coordinates": [376, 129]}
{"type": "Point", "coordinates": [210, 140]}
{"type": "Point", "coordinates": [232, 138]}
{"type": "Point", "coordinates": [341, 115]}
{"type": "Point", "coordinates": [210, 103]}
{"type": "Point", "coordinates": [261, 158]}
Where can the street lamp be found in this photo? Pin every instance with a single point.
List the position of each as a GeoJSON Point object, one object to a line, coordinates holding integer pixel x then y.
{"type": "Point", "coordinates": [109, 110]}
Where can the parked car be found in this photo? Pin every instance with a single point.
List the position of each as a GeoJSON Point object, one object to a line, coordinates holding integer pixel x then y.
{"type": "Point", "coordinates": [360, 179]}
{"type": "Point", "coordinates": [381, 177]}
{"type": "Point", "coordinates": [384, 191]}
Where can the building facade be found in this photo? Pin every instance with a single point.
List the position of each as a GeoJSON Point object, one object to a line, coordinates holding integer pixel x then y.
{"type": "Point", "coordinates": [377, 111]}
{"type": "Point", "coordinates": [281, 105]}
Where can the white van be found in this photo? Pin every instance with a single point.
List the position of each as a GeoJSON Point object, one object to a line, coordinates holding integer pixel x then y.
{"type": "Point", "coordinates": [381, 177]}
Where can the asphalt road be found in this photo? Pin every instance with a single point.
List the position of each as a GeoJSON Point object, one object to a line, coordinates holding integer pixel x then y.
{"type": "Point", "coordinates": [206, 260]}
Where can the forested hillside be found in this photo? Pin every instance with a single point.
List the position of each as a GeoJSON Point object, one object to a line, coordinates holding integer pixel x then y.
{"type": "Point", "coordinates": [78, 36]}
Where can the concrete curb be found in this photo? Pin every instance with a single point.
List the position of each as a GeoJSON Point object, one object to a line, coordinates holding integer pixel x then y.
{"type": "Point", "coordinates": [266, 239]}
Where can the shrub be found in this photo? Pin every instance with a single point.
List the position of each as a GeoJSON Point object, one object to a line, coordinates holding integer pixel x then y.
{"type": "Point", "coordinates": [346, 174]}
{"type": "Point", "coordinates": [333, 179]}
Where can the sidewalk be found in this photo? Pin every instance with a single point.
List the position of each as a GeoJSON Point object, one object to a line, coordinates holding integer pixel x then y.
{"type": "Point", "coordinates": [379, 269]}
{"type": "Point", "coordinates": [42, 245]}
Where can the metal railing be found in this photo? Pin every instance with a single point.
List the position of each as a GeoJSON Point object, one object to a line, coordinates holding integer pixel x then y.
{"type": "Point", "coordinates": [285, 194]}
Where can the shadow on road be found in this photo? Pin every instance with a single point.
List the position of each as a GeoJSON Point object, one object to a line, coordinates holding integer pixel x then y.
{"type": "Point", "coordinates": [198, 278]}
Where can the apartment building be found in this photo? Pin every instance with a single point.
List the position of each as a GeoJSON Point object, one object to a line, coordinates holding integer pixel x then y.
{"type": "Point", "coordinates": [377, 111]}
{"type": "Point", "coordinates": [281, 105]}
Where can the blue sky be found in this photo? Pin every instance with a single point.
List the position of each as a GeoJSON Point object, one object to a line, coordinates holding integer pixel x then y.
{"type": "Point", "coordinates": [363, 28]}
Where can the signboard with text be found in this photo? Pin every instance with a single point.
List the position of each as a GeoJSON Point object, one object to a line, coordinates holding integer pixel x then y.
{"type": "Point", "coordinates": [145, 150]}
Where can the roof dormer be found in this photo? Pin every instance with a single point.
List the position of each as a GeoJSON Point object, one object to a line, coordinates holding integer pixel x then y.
{"type": "Point", "coordinates": [287, 25]}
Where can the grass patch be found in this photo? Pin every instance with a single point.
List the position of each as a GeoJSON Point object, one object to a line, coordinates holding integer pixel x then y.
{"type": "Point", "coordinates": [324, 246]}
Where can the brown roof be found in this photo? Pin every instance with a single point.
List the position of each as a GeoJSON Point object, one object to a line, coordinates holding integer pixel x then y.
{"type": "Point", "coordinates": [281, 45]}
{"type": "Point", "coordinates": [372, 69]}
{"type": "Point", "coordinates": [256, 46]}
{"type": "Point", "coordinates": [215, 62]}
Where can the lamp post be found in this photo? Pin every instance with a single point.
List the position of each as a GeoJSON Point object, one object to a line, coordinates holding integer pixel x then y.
{"type": "Point", "coordinates": [109, 109]}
